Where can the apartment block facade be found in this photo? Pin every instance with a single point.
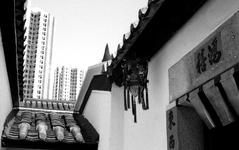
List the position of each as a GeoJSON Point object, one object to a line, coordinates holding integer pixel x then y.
{"type": "Point", "coordinates": [38, 54]}
{"type": "Point", "coordinates": [67, 83]}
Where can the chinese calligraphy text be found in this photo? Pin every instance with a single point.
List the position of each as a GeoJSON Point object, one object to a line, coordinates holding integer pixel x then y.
{"type": "Point", "coordinates": [208, 55]}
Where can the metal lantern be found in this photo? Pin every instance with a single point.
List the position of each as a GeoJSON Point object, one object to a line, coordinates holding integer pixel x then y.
{"type": "Point", "coordinates": [135, 84]}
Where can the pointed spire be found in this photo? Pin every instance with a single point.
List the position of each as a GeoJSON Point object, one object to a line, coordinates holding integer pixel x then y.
{"type": "Point", "coordinates": [106, 54]}
{"type": "Point", "coordinates": [112, 56]}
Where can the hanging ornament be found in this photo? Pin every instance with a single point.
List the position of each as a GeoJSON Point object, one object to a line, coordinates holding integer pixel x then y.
{"type": "Point", "coordinates": [135, 84]}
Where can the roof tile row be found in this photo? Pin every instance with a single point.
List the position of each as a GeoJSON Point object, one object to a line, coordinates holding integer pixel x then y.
{"type": "Point", "coordinates": [145, 14]}
{"type": "Point", "coordinates": [49, 104]}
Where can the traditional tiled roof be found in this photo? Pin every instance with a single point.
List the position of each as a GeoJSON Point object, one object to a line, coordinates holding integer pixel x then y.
{"type": "Point", "coordinates": [49, 104]}
{"type": "Point", "coordinates": [20, 11]}
{"type": "Point", "coordinates": [12, 32]}
{"type": "Point", "coordinates": [165, 15]}
{"type": "Point", "coordinates": [156, 24]}
{"type": "Point", "coordinates": [144, 15]}
{"type": "Point", "coordinates": [11, 132]}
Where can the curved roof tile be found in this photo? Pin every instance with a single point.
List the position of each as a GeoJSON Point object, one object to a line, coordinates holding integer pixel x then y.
{"type": "Point", "coordinates": [143, 12]}
{"type": "Point", "coordinates": [144, 15]}
{"type": "Point", "coordinates": [49, 104]}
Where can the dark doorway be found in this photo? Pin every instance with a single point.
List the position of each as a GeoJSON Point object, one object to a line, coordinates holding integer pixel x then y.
{"type": "Point", "coordinates": [222, 138]}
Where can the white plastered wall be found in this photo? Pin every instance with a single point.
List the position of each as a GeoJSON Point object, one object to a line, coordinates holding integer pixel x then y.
{"type": "Point", "coordinates": [150, 131]}
{"type": "Point", "coordinates": [97, 111]}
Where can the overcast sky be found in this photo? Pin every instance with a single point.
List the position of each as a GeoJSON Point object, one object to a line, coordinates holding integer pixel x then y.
{"type": "Point", "coordinates": [82, 27]}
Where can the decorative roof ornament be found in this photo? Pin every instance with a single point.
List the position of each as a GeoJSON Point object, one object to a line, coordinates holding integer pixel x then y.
{"type": "Point", "coordinates": [135, 24]}
{"type": "Point", "coordinates": [132, 28]}
{"type": "Point", "coordinates": [120, 45]}
{"type": "Point", "coordinates": [107, 55]}
{"type": "Point", "coordinates": [126, 36]}
{"type": "Point", "coordinates": [112, 56]}
{"type": "Point", "coordinates": [142, 12]}
{"type": "Point", "coordinates": [119, 49]}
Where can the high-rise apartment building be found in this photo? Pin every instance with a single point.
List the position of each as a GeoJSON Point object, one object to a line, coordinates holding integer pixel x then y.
{"type": "Point", "coordinates": [67, 83]}
{"type": "Point", "coordinates": [38, 54]}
